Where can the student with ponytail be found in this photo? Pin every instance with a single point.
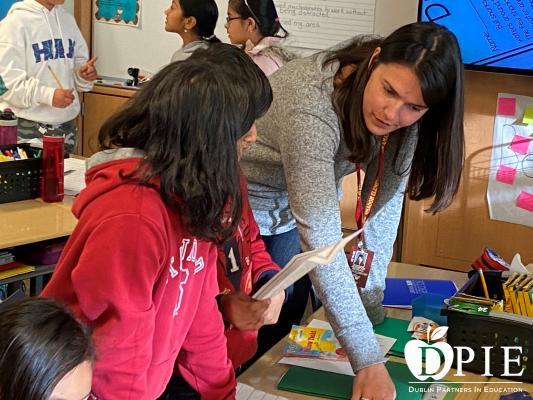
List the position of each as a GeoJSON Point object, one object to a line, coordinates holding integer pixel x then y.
{"type": "Point", "coordinates": [194, 21]}
{"type": "Point", "coordinates": [255, 25]}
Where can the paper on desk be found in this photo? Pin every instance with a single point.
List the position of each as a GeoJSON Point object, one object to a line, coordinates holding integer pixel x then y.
{"type": "Point", "coordinates": [74, 176]}
{"type": "Point", "coordinates": [300, 265]}
{"type": "Point", "coordinates": [339, 367]}
{"type": "Point", "coordinates": [246, 392]}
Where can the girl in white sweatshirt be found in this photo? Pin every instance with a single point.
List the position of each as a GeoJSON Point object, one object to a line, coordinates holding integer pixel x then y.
{"type": "Point", "coordinates": [43, 64]}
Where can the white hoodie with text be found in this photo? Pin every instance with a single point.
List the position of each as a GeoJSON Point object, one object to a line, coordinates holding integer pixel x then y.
{"type": "Point", "coordinates": [34, 40]}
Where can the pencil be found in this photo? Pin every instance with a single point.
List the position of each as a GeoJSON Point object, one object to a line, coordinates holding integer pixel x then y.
{"type": "Point", "coordinates": [55, 77]}
{"type": "Point", "coordinates": [483, 283]}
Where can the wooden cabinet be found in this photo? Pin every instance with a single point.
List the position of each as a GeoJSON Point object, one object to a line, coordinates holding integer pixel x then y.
{"type": "Point", "coordinates": [100, 104]}
{"type": "Point", "coordinates": [457, 236]}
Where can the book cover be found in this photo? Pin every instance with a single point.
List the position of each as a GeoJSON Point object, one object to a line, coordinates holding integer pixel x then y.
{"type": "Point", "coordinates": [314, 342]}
{"type": "Point", "coordinates": [400, 292]}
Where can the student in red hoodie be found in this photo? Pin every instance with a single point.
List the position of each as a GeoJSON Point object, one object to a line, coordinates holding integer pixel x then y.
{"type": "Point", "coordinates": [243, 267]}
{"type": "Point", "coordinates": [140, 267]}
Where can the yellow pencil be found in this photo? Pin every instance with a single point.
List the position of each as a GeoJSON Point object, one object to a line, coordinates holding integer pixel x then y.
{"type": "Point", "coordinates": [55, 77]}
{"type": "Point", "coordinates": [483, 283]}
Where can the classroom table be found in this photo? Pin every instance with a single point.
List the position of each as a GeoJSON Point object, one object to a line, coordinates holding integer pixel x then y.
{"type": "Point", "coordinates": [265, 373]}
{"type": "Point", "coordinates": [31, 221]}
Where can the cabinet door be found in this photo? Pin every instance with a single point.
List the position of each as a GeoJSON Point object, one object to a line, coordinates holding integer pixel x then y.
{"type": "Point", "coordinates": [454, 238]}
{"type": "Point", "coordinates": [97, 108]}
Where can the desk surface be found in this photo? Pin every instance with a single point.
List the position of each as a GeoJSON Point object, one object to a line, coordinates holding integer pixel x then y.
{"type": "Point", "coordinates": [266, 372]}
{"type": "Point", "coordinates": [30, 221]}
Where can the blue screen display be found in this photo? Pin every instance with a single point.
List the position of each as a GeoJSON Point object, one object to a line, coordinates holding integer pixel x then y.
{"type": "Point", "coordinates": [493, 34]}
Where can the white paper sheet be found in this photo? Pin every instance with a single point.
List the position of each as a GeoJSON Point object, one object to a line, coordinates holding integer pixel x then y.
{"type": "Point", "coordinates": [74, 180]}
{"type": "Point", "coordinates": [247, 392]}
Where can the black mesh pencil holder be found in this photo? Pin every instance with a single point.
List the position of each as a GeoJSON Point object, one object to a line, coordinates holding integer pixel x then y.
{"type": "Point", "coordinates": [20, 179]}
{"type": "Point", "coordinates": [478, 332]}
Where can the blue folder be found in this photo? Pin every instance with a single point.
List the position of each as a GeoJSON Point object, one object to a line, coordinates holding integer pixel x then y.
{"type": "Point", "coordinates": [400, 292]}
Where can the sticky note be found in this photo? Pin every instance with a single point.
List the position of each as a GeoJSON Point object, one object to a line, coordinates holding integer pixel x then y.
{"type": "Point", "coordinates": [507, 106]}
{"type": "Point", "coordinates": [525, 201]}
{"type": "Point", "coordinates": [520, 144]}
{"type": "Point", "coordinates": [528, 115]}
{"type": "Point", "coordinates": [506, 174]}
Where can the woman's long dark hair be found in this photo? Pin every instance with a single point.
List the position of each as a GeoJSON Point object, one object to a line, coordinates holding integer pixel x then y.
{"type": "Point", "coordinates": [40, 342]}
{"type": "Point", "coordinates": [264, 13]}
{"type": "Point", "coordinates": [206, 14]}
{"type": "Point", "coordinates": [187, 120]}
{"type": "Point", "coordinates": [432, 52]}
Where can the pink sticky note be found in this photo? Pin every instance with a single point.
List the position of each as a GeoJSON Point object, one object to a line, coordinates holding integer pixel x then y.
{"type": "Point", "coordinates": [507, 106]}
{"type": "Point", "coordinates": [525, 201]}
{"type": "Point", "coordinates": [520, 144]}
{"type": "Point", "coordinates": [506, 174]}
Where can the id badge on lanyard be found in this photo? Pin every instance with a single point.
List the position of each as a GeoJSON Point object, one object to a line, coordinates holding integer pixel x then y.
{"type": "Point", "coordinates": [361, 257]}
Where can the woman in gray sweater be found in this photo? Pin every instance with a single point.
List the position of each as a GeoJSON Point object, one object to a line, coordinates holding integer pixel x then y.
{"type": "Point", "coordinates": [331, 113]}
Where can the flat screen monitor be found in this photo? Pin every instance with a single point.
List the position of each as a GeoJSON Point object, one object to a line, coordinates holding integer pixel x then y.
{"type": "Point", "coordinates": [494, 35]}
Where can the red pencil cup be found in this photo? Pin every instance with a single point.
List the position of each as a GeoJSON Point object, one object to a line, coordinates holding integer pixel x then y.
{"type": "Point", "coordinates": [52, 173]}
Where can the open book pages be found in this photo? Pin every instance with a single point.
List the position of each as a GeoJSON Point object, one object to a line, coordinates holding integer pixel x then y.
{"type": "Point", "coordinates": [302, 264]}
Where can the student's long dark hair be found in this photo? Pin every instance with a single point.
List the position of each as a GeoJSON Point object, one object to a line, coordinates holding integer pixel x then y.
{"type": "Point", "coordinates": [206, 14]}
{"type": "Point", "coordinates": [432, 52]}
{"type": "Point", "coordinates": [188, 119]}
{"type": "Point", "coordinates": [40, 342]}
{"type": "Point", "coordinates": [264, 13]}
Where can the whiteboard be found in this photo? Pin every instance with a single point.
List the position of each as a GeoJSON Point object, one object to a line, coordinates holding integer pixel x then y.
{"type": "Point", "coordinates": [319, 24]}
{"type": "Point", "coordinates": [149, 47]}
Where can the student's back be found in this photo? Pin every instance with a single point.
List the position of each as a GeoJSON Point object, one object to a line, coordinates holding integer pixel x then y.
{"type": "Point", "coordinates": [140, 267]}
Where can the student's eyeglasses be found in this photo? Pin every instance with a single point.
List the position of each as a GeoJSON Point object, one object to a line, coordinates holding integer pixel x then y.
{"type": "Point", "coordinates": [229, 19]}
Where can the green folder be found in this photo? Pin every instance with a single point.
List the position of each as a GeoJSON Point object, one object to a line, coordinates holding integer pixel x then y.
{"type": "Point", "coordinates": [336, 386]}
{"type": "Point", "coordinates": [397, 329]}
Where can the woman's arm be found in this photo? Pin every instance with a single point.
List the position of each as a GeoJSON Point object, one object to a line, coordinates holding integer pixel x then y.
{"type": "Point", "coordinates": [308, 146]}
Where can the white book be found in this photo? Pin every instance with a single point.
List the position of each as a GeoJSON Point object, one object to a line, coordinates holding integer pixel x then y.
{"type": "Point", "coordinates": [302, 264]}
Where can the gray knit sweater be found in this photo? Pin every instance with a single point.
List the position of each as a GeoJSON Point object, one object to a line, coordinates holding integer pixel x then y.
{"type": "Point", "coordinates": [294, 172]}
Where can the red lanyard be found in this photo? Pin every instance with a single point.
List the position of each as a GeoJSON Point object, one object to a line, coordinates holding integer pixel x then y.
{"type": "Point", "coordinates": [361, 214]}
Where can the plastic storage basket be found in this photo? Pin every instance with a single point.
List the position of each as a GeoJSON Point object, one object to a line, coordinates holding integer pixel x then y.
{"type": "Point", "coordinates": [19, 179]}
{"type": "Point", "coordinates": [476, 332]}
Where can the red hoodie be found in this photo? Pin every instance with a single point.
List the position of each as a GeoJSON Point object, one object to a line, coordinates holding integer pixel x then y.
{"type": "Point", "coordinates": [244, 264]}
{"type": "Point", "coordinates": [146, 287]}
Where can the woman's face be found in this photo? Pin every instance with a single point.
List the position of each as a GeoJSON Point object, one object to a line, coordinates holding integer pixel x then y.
{"type": "Point", "coordinates": [246, 140]}
{"type": "Point", "coordinates": [175, 21]}
{"type": "Point", "coordinates": [236, 27]}
{"type": "Point", "coordinates": [392, 99]}
{"type": "Point", "coordinates": [76, 384]}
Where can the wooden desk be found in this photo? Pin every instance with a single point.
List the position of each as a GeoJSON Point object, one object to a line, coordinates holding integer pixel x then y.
{"type": "Point", "coordinates": [31, 221]}
{"type": "Point", "coordinates": [266, 372]}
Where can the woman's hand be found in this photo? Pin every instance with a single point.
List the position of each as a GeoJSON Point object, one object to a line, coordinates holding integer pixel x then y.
{"type": "Point", "coordinates": [243, 312]}
{"type": "Point", "coordinates": [272, 313]}
{"type": "Point", "coordinates": [373, 383]}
